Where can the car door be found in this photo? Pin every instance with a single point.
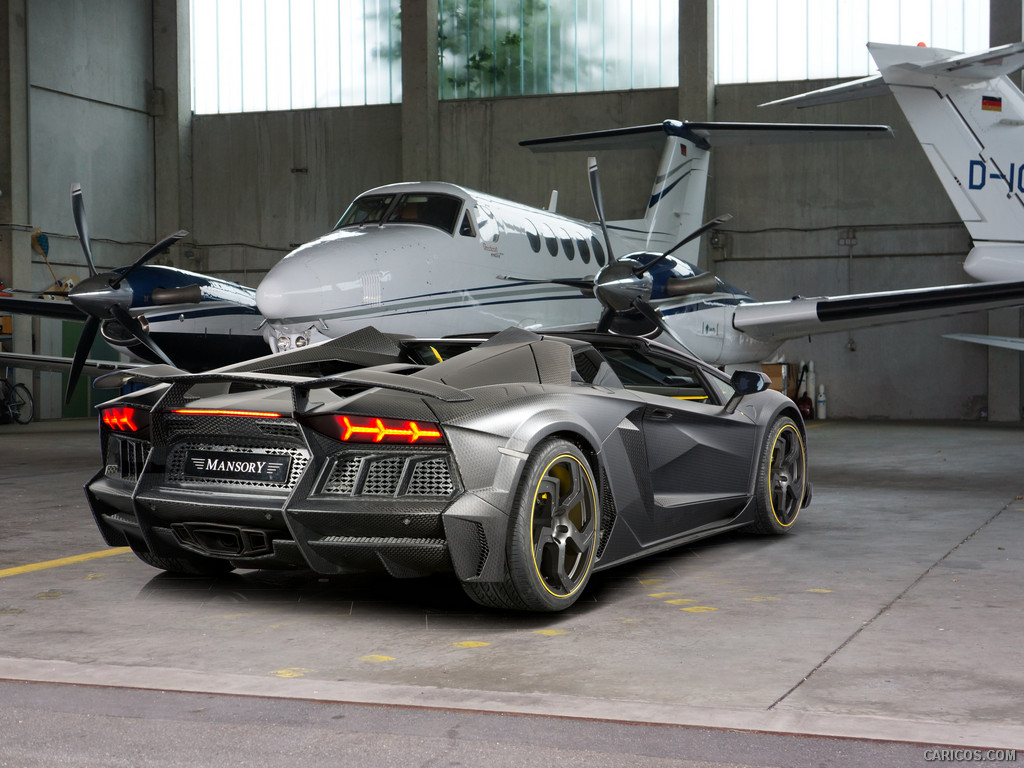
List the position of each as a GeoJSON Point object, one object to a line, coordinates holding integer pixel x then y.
{"type": "Point", "coordinates": [699, 458]}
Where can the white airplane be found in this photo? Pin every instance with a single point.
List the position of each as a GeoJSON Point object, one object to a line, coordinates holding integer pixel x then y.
{"type": "Point", "coordinates": [151, 312]}
{"type": "Point", "coordinates": [969, 117]}
{"type": "Point", "coordinates": [440, 259]}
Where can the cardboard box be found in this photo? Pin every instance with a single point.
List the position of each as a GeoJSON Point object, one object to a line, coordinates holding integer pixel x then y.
{"type": "Point", "coordinates": [783, 376]}
{"type": "Point", "coordinates": [6, 327]}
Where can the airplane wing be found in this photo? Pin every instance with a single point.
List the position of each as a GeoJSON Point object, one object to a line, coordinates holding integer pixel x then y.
{"type": "Point", "coordinates": [706, 135]}
{"type": "Point", "coordinates": [1006, 342]}
{"type": "Point", "coordinates": [781, 320]}
{"type": "Point", "coordinates": [60, 364]}
{"type": "Point", "coordinates": [35, 305]}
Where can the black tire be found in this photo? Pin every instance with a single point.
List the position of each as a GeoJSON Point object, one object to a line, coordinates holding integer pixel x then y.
{"type": "Point", "coordinates": [781, 478]}
{"type": "Point", "coordinates": [191, 566]}
{"type": "Point", "coordinates": [22, 407]}
{"type": "Point", "coordinates": [550, 549]}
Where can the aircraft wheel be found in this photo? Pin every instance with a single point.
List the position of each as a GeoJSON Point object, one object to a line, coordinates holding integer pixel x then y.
{"type": "Point", "coordinates": [781, 478]}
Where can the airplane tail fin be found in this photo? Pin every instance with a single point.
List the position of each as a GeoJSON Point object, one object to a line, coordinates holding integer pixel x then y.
{"type": "Point", "coordinates": [969, 118]}
{"type": "Point", "coordinates": [675, 207]}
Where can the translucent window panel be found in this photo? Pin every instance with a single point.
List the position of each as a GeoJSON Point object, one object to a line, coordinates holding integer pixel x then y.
{"type": "Point", "coordinates": [514, 47]}
{"type": "Point", "coordinates": [255, 55]}
{"type": "Point", "coordinates": [765, 40]}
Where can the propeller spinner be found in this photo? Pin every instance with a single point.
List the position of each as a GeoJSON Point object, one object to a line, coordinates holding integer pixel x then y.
{"type": "Point", "coordinates": [107, 296]}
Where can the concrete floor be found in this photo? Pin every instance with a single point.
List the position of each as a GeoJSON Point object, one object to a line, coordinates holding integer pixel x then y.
{"type": "Point", "coordinates": [892, 612]}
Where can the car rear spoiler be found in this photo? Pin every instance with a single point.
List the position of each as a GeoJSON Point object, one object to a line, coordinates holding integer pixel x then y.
{"type": "Point", "coordinates": [391, 376]}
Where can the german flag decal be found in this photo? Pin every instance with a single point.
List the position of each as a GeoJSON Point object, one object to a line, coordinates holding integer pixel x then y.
{"type": "Point", "coordinates": [992, 103]}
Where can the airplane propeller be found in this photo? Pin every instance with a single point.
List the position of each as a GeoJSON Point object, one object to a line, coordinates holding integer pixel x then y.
{"type": "Point", "coordinates": [625, 285]}
{"type": "Point", "coordinates": [107, 296]}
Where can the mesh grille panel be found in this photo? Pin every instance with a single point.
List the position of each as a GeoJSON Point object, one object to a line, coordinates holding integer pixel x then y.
{"type": "Point", "coordinates": [405, 474]}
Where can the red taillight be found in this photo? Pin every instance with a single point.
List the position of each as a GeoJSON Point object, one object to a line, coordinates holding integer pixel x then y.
{"type": "Point", "coordinates": [218, 412]}
{"type": "Point", "coordinates": [371, 429]}
{"type": "Point", "coordinates": [120, 419]}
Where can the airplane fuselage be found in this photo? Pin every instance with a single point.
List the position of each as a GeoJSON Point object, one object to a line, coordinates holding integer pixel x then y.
{"type": "Point", "coordinates": [409, 270]}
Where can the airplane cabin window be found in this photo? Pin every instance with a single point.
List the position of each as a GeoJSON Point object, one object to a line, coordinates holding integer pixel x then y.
{"type": "Point", "coordinates": [569, 251]}
{"type": "Point", "coordinates": [533, 236]}
{"type": "Point", "coordinates": [486, 224]}
{"type": "Point", "coordinates": [439, 211]}
{"type": "Point", "coordinates": [550, 241]}
{"type": "Point", "coordinates": [595, 246]}
{"type": "Point", "coordinates": [583, 248]}
{"type": "Point", "coordinates": [369, 209]}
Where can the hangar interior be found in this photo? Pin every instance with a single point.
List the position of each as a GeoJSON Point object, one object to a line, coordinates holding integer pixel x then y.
{"type": "Point", "coordinates": [99, 93]}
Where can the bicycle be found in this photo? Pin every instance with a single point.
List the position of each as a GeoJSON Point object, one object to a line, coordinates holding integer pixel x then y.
{"type": "Point", "coordinates": [15, 402]}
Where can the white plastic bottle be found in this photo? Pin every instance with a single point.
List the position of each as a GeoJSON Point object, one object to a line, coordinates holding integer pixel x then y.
{"type": "Point", "coordinates": [821, 403]}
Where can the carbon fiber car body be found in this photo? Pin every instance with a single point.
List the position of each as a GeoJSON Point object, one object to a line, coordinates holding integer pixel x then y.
{"type": "Point", "coordinates": [240, 467]}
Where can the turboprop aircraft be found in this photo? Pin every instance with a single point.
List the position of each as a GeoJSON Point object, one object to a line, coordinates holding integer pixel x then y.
{"type": "Point", "coordinates": [969, 117]}
{"type": "Point", "coordinates": [154, 313]}
{"type": "Point", "coordinates": [441, 259]}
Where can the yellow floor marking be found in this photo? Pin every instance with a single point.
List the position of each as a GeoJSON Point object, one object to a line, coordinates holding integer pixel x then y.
{"type": "Point", "coordinates": [699, 609]}
{"type": "Point", "coordinates": [63, 561]}
{"type": "Point", "coordinates": [52, 594]}
{"type": "Point", "coordinates": [645, 582]}
{"type": "Point", "coordinates": [11, 611]}
{"type": "Point", "coordinates": [813, 426]}
{"type": "Point", "coordinates": [662, 594]}
{"type": "Point", "coordinates": [376, 658]}
{"type": "Point", "coordinates": [820, 591]}
{"type": "Point", "coordinates": [291, 672]}
{"type": "Point", "coordinates": [550, 632]}
{"type": "Point", "coordinates": [470, 644]}
{"type": "Point", "coordinates": [94, 576]}
{"type": "Point", "coordinates": [760, 599]}
{"type": "Point", "coordinates": [680, 601]}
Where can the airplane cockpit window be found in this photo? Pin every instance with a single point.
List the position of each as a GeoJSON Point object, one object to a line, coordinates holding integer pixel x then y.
{"type": "Point", "coordinates": [369, 209]}
{"type": "Point", "coordinates": [439, 211]}
{"type": "Point", "coordinates": [466, 228]}
{"type": "Point", "coordinates": [656, 375]}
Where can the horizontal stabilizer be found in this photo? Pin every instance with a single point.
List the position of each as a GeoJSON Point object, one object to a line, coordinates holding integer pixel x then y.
{"type": "Point", "coordinates": [706, 135]}
{"type": "Point", "coordinates": [1006, 342]}
{"type": "Point", "coordinates": [1003, 60]}
{"type": "Point", "coordinates": [780, 320]}
{"type": "Point", "coordinates": [864, 88]}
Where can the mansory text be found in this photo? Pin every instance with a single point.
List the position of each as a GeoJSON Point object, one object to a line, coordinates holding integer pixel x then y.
{"type": "Point", "coordinates": [521, 463]}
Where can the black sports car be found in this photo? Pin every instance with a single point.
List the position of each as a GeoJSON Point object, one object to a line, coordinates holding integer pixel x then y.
{"type": "Point", "coordinates": [522, 463]}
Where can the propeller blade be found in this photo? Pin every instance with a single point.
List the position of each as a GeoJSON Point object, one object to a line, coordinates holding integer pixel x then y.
{"type": "Point", "coordinates": [135, 328]}
{"type": "Point", "coordinates": [157, 249]}
{"type": "Point", "coordinates": [82, 225]}
{"type": "Point", "coordinates": [655, 317]}
{"type": "Point", "coordinates": [189, 294]}
{"type": "Point", "coordinates": [595, 192]}
{"type": "Point", "coordinates": [696, 233]}
{"type": "Point", "coordinates": [85, 341]}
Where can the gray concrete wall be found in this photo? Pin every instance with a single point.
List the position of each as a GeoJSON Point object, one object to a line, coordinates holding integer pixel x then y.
{"type": "Point", "coordinates": [85, 111]}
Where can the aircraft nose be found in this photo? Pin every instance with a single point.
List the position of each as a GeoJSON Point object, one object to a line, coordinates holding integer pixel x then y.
{"type": "Point", "coordinates": [291, 289]}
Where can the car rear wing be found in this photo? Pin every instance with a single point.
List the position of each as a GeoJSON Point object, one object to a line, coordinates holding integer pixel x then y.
{"type": "Point", "coordinates": [394, 376]}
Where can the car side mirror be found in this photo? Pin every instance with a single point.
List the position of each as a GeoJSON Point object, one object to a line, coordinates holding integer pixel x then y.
{"type": "Point", "coordinates": [746, 383]}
